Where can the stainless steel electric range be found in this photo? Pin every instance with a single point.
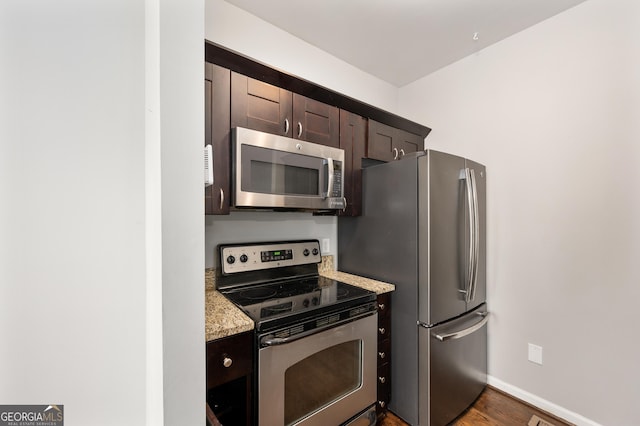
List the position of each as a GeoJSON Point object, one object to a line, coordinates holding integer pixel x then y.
{"type": "Point", "coordinates": [316, 337]}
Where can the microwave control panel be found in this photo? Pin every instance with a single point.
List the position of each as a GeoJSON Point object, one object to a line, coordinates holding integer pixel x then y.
{"type": "Point", "coordinates": [336, 189]}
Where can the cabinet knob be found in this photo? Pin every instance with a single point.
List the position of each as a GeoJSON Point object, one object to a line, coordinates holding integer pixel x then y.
{"type": "Point", "coordinates": [227, 362]}
{"type": "Point", "coordinates": [381, 355]}
{"type": "Point", "coordinates": [381, 306]}
{"type": "Point", "coordinates": [382, 330]}
{"type": "Point", "coordinates": [382, 379]}
{"type": "Point", "coordinates": [381, 404]}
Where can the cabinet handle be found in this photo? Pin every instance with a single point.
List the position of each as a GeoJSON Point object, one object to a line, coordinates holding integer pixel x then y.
{"type": "Point", "coordinates": [402, 153]}
{"type": "Point", "coordinates": [286, 126]}
{"type": "Point", "coordinates": [381, 306]}
{"type": "Point", "coordinates": [382, 355]}
{"type": "Point", "coordinates": [221, 198]}
{"type": "Point", "coordinates": [227, 362]}
{"type": "Point", "coordinates": [299, 129]}
{"type": "Point", "coordinates": [395, 153]}
{"type": "Point", "coordinates": [382, 330]}
{"type": "Point", "coordinates": [381, 404]}
{"type": "Point", "coordinates": [382, 379]}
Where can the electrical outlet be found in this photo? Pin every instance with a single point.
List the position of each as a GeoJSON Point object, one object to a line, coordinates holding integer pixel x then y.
{"type": "Point", "coordinates": [325, 245]}
{"type": "Point", "coordinates": [535, 353]}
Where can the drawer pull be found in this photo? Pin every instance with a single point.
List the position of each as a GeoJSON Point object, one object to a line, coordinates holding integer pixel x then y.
{"type": "Point", "coordinates": [381, 306]}
{"type": "Point", "coordinates": [381, 355]}
{"type": "Point", "coordinates": [227, 362]}
{"type": "Point", "coordinates": [382, 379]}
{"type": "Point", "coordinates": [382, 330]}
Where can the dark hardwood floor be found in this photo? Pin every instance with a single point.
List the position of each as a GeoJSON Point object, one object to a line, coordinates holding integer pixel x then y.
{"type": "Point", "coordinates": [493, 408]}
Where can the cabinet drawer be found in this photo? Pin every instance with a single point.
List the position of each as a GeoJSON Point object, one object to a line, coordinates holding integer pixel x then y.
{"type": "Point", "coordinates": [384, 351]}
{"type": "Point", "coordinates": [384, 386]}
{"type": "Point", "coordinates": [384, 330]}
{"type": "Point", "coordinates": [384, 307]}
{"type": "Point", "coordinates": [229, 358]}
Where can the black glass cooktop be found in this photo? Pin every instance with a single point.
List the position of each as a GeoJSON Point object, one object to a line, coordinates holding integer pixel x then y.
{"type": "Point", "coordinates": [296, 298]}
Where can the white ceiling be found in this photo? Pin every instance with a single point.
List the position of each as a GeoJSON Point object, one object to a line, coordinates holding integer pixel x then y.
{"type": "Point", "coordinates": [400, 41]}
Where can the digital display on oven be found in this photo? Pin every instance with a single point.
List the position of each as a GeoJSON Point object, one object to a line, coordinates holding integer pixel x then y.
{"type": "Point", "coordinates": [274, 255]}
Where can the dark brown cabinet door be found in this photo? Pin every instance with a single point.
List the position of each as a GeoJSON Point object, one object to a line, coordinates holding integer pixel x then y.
{"type": "Point", "coordinates": [408, 142]}
{"type": "Point", "coordinates": [386, 143]}
{"type": "Point", "coordinates": [217, 133]}
{"type": "Point", "coordinates": [380, 141]}
{"type": "Point", "coordinates": [229, 370]}
{"type": "Point", "coordinates": [353, 137]}
{"type": "Point", "coordinates": [315, 121]}
{"type": "Point", "coordinates": [260, 106]}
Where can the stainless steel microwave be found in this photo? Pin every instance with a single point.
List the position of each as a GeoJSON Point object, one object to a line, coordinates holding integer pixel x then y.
{"type": "Point", "coordinates": [271, 171]}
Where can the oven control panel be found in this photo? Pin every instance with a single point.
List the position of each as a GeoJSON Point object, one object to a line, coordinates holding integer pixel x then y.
{"type": "Point", "coordinates": [236, 258]}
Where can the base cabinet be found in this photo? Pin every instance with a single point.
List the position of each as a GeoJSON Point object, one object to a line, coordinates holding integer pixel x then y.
{"type": "Point", "coordinates": [384, 354]}
{"type": "Point", "coordinates": [229, 379]}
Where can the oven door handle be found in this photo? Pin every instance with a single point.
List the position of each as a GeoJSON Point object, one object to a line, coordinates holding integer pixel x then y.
{"type": "Point", "coordinates": [271, 340]}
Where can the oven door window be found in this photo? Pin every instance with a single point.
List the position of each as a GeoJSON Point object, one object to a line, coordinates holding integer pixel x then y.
{"type": "Point", "coordinates": [322, 378]}
{"type": "Point", "coordinates": [269, 171]}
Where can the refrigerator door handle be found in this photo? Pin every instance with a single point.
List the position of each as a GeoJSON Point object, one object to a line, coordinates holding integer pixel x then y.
{"type": "Point", "coordinates": [470, 261]}
{"type": "Point", "coordinates": [469, 330]}
{"type": "Point", "coordinates": [476, 235]}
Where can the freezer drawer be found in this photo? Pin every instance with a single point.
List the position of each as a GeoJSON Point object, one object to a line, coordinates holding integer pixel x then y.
{"type": "Point", "coordinates": [453, 367]}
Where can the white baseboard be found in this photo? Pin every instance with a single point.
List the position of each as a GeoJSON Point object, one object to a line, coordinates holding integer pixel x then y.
{"type": "Point", "coordinates": [541, 403]}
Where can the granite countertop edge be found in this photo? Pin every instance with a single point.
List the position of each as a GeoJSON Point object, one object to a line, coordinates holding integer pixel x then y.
{"type": "Point", "coordinates": [224, 319]}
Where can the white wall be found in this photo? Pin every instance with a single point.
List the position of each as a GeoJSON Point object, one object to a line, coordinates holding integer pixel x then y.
{"type": "Point", "coordinates": [242, 32]}
{"type": "Point", "coordinates": [81, 276]}
{"type": "Point", "coordinates": [181, 111]}
{"type": "Point", "coordinates": [553, 113]}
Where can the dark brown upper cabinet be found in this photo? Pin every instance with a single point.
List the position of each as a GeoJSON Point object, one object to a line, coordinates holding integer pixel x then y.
{"type": "Point", "coordinates": [261, 106]}
{"type": "Point", "coordinates": [217, 84]}
{"type": "Point", "coordinates": [386, 143]}
{"type": "Point", "coordinates": [353, 138]}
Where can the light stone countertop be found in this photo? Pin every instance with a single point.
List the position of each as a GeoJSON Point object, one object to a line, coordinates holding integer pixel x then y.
{"type": "Point", "coordinates": [223, 318]}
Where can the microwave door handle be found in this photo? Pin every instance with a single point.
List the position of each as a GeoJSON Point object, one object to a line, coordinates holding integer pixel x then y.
{"type": "Point", "coordinates": [329, 162]}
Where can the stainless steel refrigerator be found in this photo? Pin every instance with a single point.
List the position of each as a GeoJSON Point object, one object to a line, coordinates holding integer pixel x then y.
{"type": "Point", "coordinates": [423, 229]}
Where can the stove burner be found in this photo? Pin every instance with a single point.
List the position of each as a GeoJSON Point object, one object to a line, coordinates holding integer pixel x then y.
{"type": "Point", "coordinates": [258, 293]}
{"type": "Point", "coordinates": [343, 292]}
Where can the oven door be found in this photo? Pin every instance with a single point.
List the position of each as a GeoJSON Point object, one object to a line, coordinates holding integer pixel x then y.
{"type": "Point", "coordinates": [320, 379]}
{"type": "Point", "coordinates": [274, 171]}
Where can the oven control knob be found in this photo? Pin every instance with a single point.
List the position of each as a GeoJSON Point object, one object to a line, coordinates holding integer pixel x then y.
{"type": "Point", "coordinates": [306, 252]}
{"type": "Point", "coordinates": [231, 260]}
{"type": "Point", "coordinates": [315, 301]}
{"type": "Point", "coordinates": [315, 251]}
{"type": "Point", "coordinates": [243, 258]}
{"type": "Point", "coordinates": [305, 303]}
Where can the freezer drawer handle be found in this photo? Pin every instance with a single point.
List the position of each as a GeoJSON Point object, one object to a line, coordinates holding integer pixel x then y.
{"type": "Point", "coordinates": [466, 331]}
